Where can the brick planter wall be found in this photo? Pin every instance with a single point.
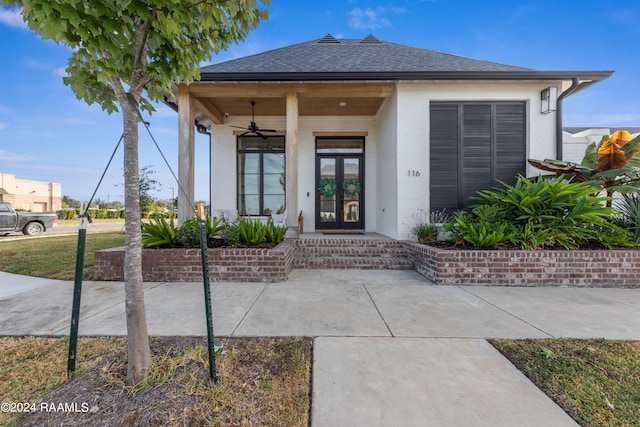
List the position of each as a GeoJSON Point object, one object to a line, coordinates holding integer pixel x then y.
{"type": "Point", "coordinates": [185, 265]}
{"type": "Point", "coordinates": [588, 268]}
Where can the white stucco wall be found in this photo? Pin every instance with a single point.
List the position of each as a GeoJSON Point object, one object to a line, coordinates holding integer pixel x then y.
{"type": "Point", "coordinates": [386, 171]}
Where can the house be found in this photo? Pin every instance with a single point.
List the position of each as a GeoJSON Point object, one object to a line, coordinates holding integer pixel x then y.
{"type": "Point", "coordinates": [366, 134]}
{"type": "Point", "coordinates": [35, 196]}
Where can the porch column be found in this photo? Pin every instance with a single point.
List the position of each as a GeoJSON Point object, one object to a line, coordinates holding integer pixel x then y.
{"type": "Point", "coordinates": [292, 160]}
{"type": "Point", "coordinates": [186, 174]}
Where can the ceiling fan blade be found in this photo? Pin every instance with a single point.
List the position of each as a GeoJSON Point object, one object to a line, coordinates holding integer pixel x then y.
{"type": "Point", "coordinates": [238, 127]}
{"type": "Point", "coordinates": [268, 130]}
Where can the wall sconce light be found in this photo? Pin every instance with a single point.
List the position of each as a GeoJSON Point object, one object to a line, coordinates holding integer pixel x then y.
{"type": "Point", "coordinates": [549, 99]}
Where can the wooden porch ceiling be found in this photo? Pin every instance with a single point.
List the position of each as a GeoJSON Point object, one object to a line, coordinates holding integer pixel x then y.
{"type": "Point", "coordinates": [214, 100]}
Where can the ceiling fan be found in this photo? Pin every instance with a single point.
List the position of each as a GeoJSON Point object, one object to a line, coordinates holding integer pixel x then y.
{"type": "Point", "coordinates": [253, 127]}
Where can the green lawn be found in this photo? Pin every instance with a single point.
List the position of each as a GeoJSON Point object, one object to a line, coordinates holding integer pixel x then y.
{"type": "Point", "coordinates": [54, 257]}
{"type": "Point", "coordinates": [597, 382]}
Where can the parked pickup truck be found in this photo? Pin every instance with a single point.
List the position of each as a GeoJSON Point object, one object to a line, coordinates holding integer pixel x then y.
{"type": "Point", "coordinates": [27, 222]}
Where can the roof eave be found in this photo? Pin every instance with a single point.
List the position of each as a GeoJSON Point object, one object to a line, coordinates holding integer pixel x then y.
{"type": "Point", "coordinates": [594, 76]}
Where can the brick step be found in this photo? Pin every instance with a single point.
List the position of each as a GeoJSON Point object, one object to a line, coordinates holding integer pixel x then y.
{"type": "Point", "coordinates": [304, 243]}
{"type": "Point", "coordinates": [374, 254]}
{"type": "Point", "coordinates": [356, 263]}
{"type": "Point", "coordinates": [356, 251]}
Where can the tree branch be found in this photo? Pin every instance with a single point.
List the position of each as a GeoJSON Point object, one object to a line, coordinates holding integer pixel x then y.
{"type": "Point", "coordinates": [140, 58]}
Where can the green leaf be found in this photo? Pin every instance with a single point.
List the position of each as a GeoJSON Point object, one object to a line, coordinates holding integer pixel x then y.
{"type": "Point", "coordinates": [590, 159]}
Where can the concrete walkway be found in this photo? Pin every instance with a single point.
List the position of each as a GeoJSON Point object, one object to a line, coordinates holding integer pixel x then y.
{"type": "Point", "coordinates": [390, 348]}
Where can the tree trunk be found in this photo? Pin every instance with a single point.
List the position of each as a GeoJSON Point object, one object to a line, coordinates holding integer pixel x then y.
{"type": "Point", "coordinates": [139, 353]}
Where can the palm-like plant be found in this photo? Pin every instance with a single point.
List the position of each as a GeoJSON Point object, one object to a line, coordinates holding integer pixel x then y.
{"type": "Point", "coordinates": [611, 165]}
{"type": "Point", "coordinates": [158, 233]}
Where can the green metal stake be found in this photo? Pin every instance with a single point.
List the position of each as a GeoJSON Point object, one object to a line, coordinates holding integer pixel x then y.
{"type": "Point", "coordinates": [77, 291]}
{"type": "Point", "coordinates": [207, 301]}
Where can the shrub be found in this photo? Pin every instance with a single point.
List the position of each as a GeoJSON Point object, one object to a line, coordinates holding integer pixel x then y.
{"type": "Point", "coordinates": [628, 214]}
{"type": "Point", "coordinates": [114, 213]}
{"type": "Point", "coordinates": [188, 234]}
{"type": "Point", "coordinates": [540, 212]}
{"type": "Point", "coordinates": [230, 233]}
{"type": "Point", "coordinates": [480, 231]}
{"type": "Point", "coordinates": [64, 214]}
{"type": "Point", "coordinates": [158, 233]}
{"type": "Point", "coordinates": [251, 232]}
{"type": "Point", "coordinates": [275, 233]}
{"type": "Point", "coordinates": [427, 230]}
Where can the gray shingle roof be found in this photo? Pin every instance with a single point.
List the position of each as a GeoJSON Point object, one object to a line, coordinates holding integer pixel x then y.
{"type": "Point", "coordinates": [369, 55]}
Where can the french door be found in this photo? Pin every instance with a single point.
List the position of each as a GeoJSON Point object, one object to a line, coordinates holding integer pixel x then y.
{"type": "Point", "coordinates": [339, 192]}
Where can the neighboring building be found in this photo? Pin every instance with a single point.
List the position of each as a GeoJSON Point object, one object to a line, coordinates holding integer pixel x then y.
{"type": "Point", "coordinates": [35, 196]}
{"type": "Point", "coordinates": [366, 134]}
{"type": "Point", "coordinates": [576, 139]}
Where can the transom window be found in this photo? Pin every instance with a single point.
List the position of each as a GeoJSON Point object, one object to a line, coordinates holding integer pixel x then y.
{"type": "Point", "coordinates": [261, 175]}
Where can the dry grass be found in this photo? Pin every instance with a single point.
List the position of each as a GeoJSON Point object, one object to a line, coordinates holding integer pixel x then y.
{"type": "Point", "coordinates": [596, 382]}
{"type": "Point", "coordinates": [262, 382]}
{"type": "Point", "coordinates": [31, 367]}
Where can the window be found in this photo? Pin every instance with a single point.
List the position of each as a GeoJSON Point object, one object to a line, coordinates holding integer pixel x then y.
{"type": "Point", "coordinates": [261, 175]}
{"type": "Point", "coordinates": [473, 145]}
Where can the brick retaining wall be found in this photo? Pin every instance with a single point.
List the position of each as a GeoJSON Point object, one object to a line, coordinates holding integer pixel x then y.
{"type": "Point", "coordinates": [614, 268]}
{"type": "Point", "coordinates": [185, 265]}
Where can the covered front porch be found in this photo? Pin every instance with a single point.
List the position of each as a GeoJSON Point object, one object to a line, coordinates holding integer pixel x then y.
{"type": "Point", "coordinates": [327, 136]}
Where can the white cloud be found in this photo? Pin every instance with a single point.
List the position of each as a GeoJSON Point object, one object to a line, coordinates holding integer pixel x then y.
{"type": "Point", "coordinates": [3, 125]}
{"type": "Point", "coordinates": [368, 19]}
{"type": "Point", "coordinates": [60, 72]}
{"type": "Point", "coordinates": [13, 157]}
{"type": "Point", "coordinates": [12, 18]}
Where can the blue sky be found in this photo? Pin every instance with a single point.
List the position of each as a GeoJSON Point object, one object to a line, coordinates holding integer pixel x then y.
{"type": "Point", "coordinates": [47, 134]}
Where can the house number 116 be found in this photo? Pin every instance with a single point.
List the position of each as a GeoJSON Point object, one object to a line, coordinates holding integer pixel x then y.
{"type": "Point", "coordinates": [413, 172]}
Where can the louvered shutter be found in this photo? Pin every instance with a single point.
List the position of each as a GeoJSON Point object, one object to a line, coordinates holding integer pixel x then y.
{"type": "Point", "coordinates": [472, 145]}
{"type": "Point", "coordinates": [443, 153]}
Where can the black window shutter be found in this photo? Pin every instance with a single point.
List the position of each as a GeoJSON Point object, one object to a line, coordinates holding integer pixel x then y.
{"type": "Point", "coordinates": [510, 142]}
{"type": "Point", "coordinates": [443, 152]}
{"type": "Point", "coordinates": [471, 146]}
{"type": "Point", "coordinates": [476, 153]}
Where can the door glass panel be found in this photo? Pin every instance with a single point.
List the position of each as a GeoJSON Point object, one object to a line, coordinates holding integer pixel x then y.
{"type": "Point", "coordinates": [351, 187]}
{"type": "Point", "coordinates": [327, 190]}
